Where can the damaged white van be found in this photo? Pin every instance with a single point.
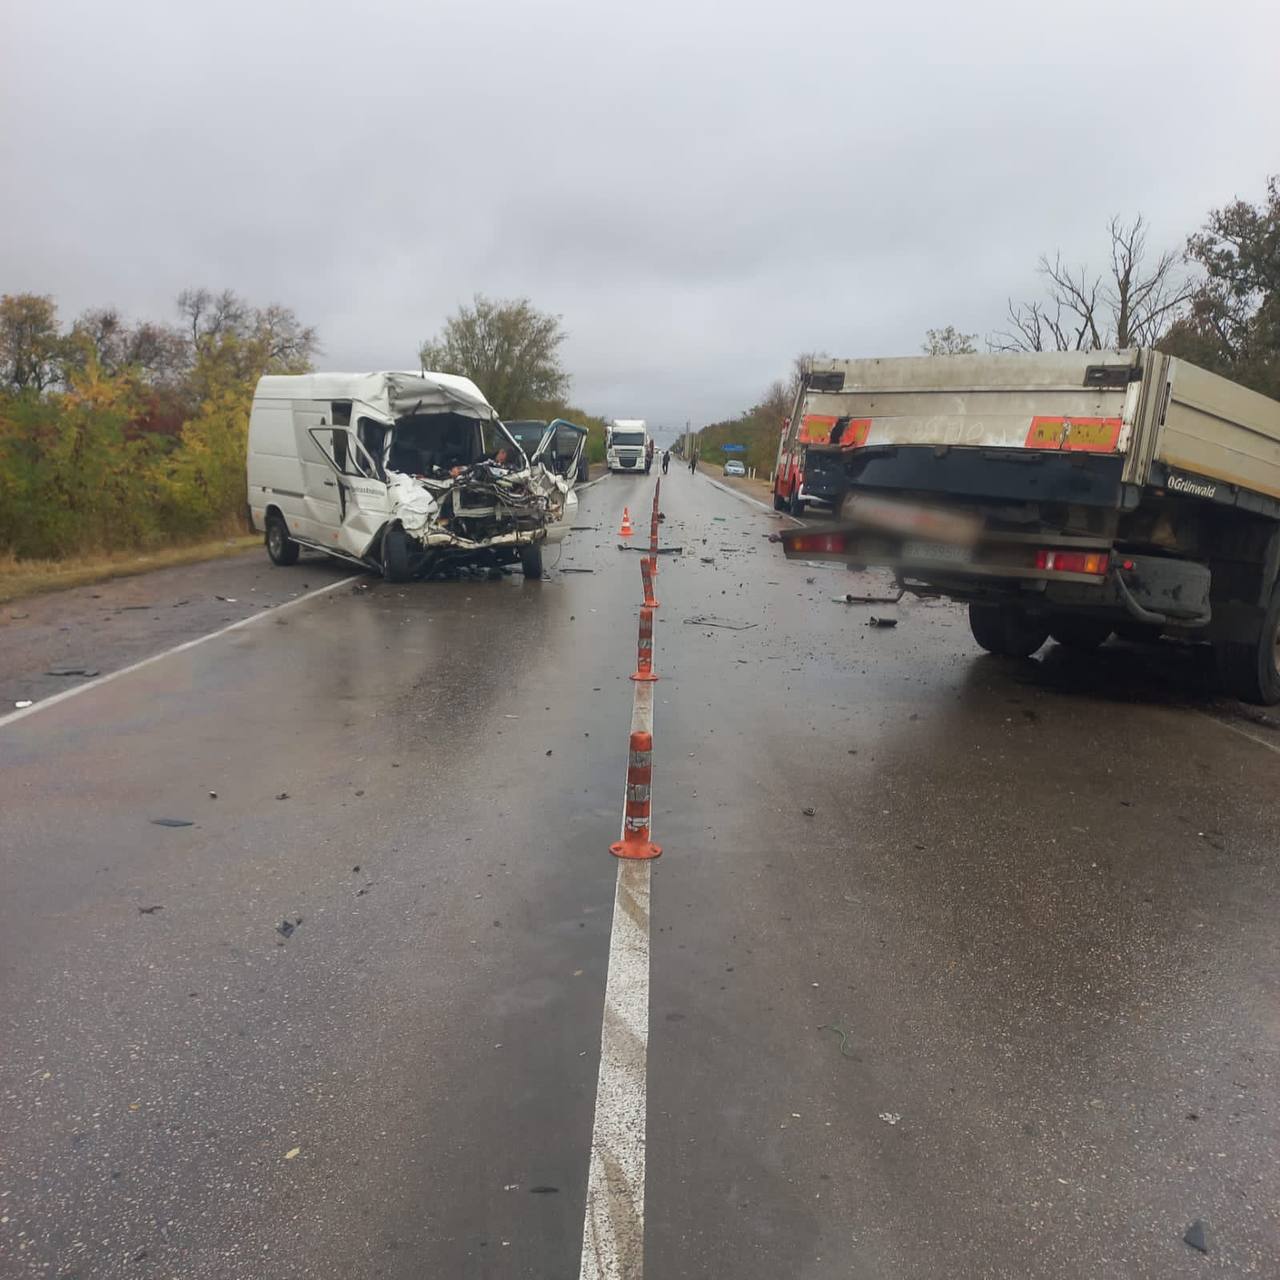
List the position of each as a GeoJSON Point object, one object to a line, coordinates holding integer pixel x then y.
{"type": "Point", "coordinates": [404, 473]}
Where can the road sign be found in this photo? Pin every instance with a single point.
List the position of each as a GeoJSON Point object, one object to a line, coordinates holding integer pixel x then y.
{"type": "Point", "coordinates": [733, 448]}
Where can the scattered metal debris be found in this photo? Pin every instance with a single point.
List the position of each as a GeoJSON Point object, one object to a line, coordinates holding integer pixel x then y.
{"type": "Point", "coordinates": [850, 598]}
{"type": "Point", "coordinates": [284, 795]}
{"type": "Point", "coordinates": [285, 928]}
{"type": "Point", "coordinates": [172, 822]}
{"type": "Point", "coordinates": [1197, 1236]}
{"type": "Point", "coordinates": [150, 911]}
{"type": "Point", "coordinates": [72, 671]}
{"type": "Point", "coordinates": [809, 811]}
{"type": "Point", "coordinates": [708, 620]}
{"type": "Point", "coordinates": [873, 621]}
{"type": "Point", "coordinates": [571, 569]}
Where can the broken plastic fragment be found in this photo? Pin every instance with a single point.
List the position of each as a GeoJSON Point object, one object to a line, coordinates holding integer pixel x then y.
{"type": "Point", "coordinates": [171, 822]}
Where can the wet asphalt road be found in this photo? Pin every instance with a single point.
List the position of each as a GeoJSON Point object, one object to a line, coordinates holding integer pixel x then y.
{"type": "Point", "coordinates": [1004, 1004]}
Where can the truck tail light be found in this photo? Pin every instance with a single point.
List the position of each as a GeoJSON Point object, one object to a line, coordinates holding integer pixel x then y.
{"type": "Point", "coordinates": [1095, 562]}
{"type": "Point", "coordinates": [817, 543]}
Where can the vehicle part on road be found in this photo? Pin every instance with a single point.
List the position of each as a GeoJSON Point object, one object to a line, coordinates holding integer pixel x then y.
{"type": "Point", "coordinates": [1006, 630]}
{"type": "Point", "coordinates": [625, 530]}
{"type": "Point", "coordinates": [850, 598]}
{"type": "Point", "coordinates": [150, 911]}
{"type": "Point", "coordinates": [845, 1048]}
{"type": "Point", "coordinates": [172, 822]}
{"type": "Point", "coordinates": [809, 812]}
{"type": "Point", "coordinates": [1197, 1236]}
{"type": "Point", "coordinates": [644, 658]}
{"type": "Point", "coordinates": [707, 620]}
{"type": "Point", "coordinates": [280, 547]}
{"type": "Point", "coordinates": [72, 671]}
{"type": "Point", "coordinates": [635, 842]}
{"type": "Point", "coordinates": [285, 928]}
{"type": "Point", "coordinates": [873, 621]}
{"type": "Point", "coordinates": [646, 551]}
{"type": "Point", "coordinates": [1073, 631]}
{"type": "Point", "coordinates": [571, 569]}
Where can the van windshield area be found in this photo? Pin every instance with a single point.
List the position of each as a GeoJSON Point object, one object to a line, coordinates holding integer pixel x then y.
{"type": "Point", "coordinates": [635, 438]}
{"type": "Point", "coordinates": [433, 444]}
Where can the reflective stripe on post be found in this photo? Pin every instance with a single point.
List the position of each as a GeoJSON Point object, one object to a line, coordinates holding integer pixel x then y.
{"type": "Point", "coordinates": [646, 579]}
{"type": "Point", "coordinates": [635, 842]}
{"type": "Point", "coordinates": [644, 651]}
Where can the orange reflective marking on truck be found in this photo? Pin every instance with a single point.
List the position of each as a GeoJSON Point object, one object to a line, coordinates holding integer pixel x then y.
{"type": "Point", "coordinates": [1075, 435]}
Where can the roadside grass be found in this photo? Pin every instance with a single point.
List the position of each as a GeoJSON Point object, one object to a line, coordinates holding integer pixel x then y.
{"type": "Point", "coordinates": [20, 578]}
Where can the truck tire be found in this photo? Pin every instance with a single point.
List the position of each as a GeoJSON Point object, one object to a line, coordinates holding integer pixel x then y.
{"type": "Point", "coordinates": [395, 556]}
{"type": "Point", "coordinates": [1251, 669]}
{"type": "Point", "coordinates": [796, 505]}
{"type": "Point", "coordinates": [281, 549]}
{"type": "Point", "coordinates": [1006, 630]}
{"type": "Point", "coordinates": [531, 561]}
{"type": "Point", "coordinates": [1083, 634]}
{"type": "Point", "coordinates": [779, 502]}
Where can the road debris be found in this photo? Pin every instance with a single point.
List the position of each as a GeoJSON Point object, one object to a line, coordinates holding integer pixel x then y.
{"type": "Point", "coordinates": [284, 795]}
{"type": "Point", "coordinates": [150, 911]}
{"type": "Point", "coordinates": [846, 1050]}
{"type": "Point", "coordinates": [23, 703]}
{"type": "Point", "coordinates": [292, 1153]}
{"type": "Point", "coordinates": [809, 811]}
{"type": "Point", "coordinates": [544, 1191]}
{"type": "Point", "coordinates": [873, 621]}
{"type": "Point", "coordinates": [72, 671]}
{"type": "Point", "coordinates": [571, 569]}
{"type": "Point", "coordinates": [213, 795]}
{"type": "Point", "coordinates": [890, 1117]}
{"type": "Point", "coordinates": [172, 822]}
{"type": "Point", "coordinates": [709, 620]}
{"type": "Point", "coordinates": [285, 928]}
{"type": "Point", "coordinates": [850, 598]}
{"type": "Point", "coordinates": [1197, 1236]}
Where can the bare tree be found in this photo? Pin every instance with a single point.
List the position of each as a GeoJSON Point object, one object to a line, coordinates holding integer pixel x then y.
{"type": "Point", "coordinates": [1131, 304]}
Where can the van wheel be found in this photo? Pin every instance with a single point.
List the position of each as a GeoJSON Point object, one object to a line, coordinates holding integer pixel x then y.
{"type": "Point", "coordinates": [280, 547]}
{"type": "Point", "coordinates": [1084, 634]}
{"type": "Point", "coordinates": [1006, 631]}
{"type": "Point", "coordinates": [1251, 669]}
{"type": "Point", "coordinates": [797, 505]}
{"type": "Point", "coordinates": [395, 556]}
{"type": "Point", "coordinates": [531, 561]}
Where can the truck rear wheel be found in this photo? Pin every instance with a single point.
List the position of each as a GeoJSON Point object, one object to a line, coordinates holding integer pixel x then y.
{"type": "Point", "coordinates": [779, 502]}
{"type": "Point", "coordinates": [281, 549]}
{"type": "Point", "coordinates": [1006, 630]}
{"type": "Point", "coordinates": [1084, 634]}
{"type": "Point", "coordinates": [796, 505]}
{"type": "Point", "coordinates": [1251, 669]}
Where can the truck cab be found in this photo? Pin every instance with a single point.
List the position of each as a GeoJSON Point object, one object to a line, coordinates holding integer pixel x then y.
{"type": "Point", "coordinates": [626, 446]}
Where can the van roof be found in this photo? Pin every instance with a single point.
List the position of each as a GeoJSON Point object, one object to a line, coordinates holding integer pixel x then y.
{"type": "Point", "coordinates": [394, 394]}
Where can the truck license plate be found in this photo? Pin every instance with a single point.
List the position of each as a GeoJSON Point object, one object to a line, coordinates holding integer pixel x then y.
{"type": "Point", "coordinates": [934, 551]}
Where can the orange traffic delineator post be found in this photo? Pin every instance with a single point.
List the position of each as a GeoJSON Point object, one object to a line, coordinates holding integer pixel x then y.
{"type": "Point", "coordinates": [646, 579]}
{"type": "Point", "coordinates": [626, 530]}
{"type": "Point", "coordinates": [635, 842]}
{"type": "Point", "coordinates": [644, 651]}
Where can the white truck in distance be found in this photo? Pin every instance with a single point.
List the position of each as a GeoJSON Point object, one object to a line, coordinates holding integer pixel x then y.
{"type": "Point", "coordinates": [626, 446]}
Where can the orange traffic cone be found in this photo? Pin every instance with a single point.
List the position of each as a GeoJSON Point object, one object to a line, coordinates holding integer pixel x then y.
{"type": "Point", "coordinates": [626, 530]}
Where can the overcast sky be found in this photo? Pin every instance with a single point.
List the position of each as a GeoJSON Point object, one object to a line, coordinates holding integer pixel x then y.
{"type": "Point", "coordinates": [699, 190]}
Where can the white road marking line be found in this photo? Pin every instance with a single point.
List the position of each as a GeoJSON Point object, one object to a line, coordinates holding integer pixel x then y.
{"type": "Point", "coordinates": [1244, 733]}
{"type": "Point", "coordinates": [746, 497]}
{"type": "Point", "coordinates": [54, 699]}
{"type": "Point", "coordinates": [613, 1228]}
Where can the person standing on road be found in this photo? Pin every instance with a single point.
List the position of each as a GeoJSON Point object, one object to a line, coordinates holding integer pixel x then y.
{"type": "Point", "coordinates": [666, 460]}
{"type": "Point", "coordinates": [693, 461]}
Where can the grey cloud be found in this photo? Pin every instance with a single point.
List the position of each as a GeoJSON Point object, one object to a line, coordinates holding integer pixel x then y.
{"type": "Point", "coordinates": [699, 190]}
